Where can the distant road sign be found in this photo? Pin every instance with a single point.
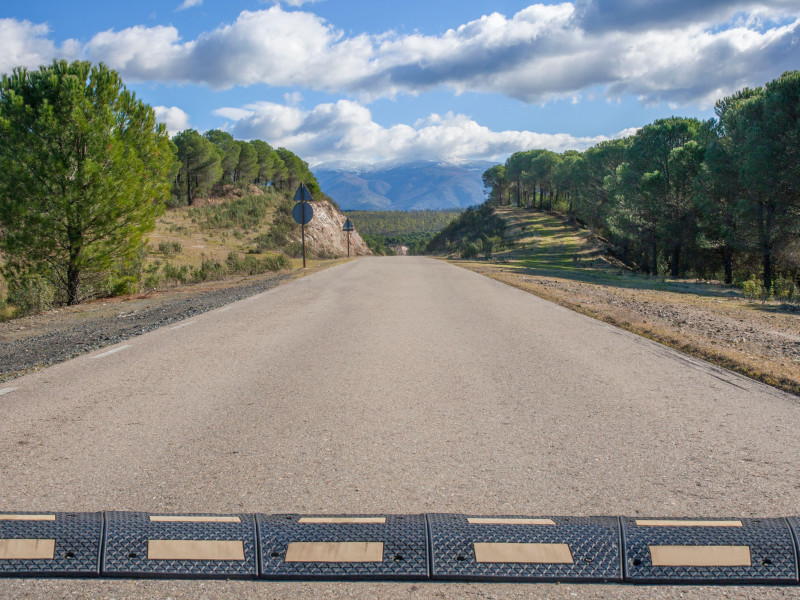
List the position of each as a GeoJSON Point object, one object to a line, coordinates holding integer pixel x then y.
{"type": "Point", "coordinates": [302, 213]}
{"type": "Point", "coordinates": [302, 194]}
{"type": "Point", "coordinates": [348, 226]}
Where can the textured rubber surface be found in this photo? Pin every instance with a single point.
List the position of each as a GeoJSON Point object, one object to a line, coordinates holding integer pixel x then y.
{"type": "Point", "coordinates": [404, 538]}
{"type": "Point", "coordinates": [594, 543]}
{"type": "Point", "coordinates": [77, 544]}
{"type": "Point", "coordinates": [772, 552]}
{"type": "Point", "coordinates": [126, 547]}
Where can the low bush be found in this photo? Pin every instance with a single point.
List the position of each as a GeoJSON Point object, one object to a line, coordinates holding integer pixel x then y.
{"type": "Point", "coordinates": [31, 294]}
{"type": "Point", "coordinates": [176, 274]}
{"type": "Point", "coordinates": [170, 248]}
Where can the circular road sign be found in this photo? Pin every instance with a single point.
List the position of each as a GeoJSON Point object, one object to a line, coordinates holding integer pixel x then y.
{"type": "Point", "coordinates": [302, 213]}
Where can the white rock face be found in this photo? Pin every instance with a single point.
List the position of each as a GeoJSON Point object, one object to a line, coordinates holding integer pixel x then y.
{"type": "Point", "coordinates": [324, 235]}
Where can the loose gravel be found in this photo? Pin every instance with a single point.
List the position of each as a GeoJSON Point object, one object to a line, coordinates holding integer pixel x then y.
{"type": "Point", "coordinates": [31, 343]}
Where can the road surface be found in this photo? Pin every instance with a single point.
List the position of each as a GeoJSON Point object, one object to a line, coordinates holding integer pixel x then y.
{"type": "Point", "coordinates": [394, 385]}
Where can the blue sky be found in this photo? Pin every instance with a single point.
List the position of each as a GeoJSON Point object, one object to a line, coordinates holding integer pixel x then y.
{"type": "Point", "coordinates": [368, 81]}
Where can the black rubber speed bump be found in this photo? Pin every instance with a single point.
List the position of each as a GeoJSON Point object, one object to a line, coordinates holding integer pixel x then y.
{"type": "Point", "coordinates": [708, 551]}
{"type": "Point", "coordinates": [66, 544]}
{"type": "Point", "coordinates": [374, 547]}
{"type": "Point", "coordinates": [194, 546]}
{"type": "Point", "coordinates": [525, 549]}
{"type": "Point", "coordinates": [794, 523]}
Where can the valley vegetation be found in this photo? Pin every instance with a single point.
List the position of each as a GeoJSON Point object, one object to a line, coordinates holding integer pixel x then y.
{"type": "Point", "coordinates": [385, 230]}
{"type": "Point", "coordinates": [683, 197]}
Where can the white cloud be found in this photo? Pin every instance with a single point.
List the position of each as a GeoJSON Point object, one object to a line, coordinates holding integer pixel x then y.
{"type": "Point", "coordinates": [345, 130]}
{"type": "Point", "coordinates": [189, 4]}
{"type": "Point", "coordinates": [173, 117]}
{"type": "Point", "coordinates": [540, 53]}
{"type": "Point", "coordinates": [25, 44]}
{"type": "Point", "coordinates": [678, 52]}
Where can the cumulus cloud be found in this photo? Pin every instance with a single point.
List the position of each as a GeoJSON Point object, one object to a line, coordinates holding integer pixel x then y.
{"type": "Point", "coordinates": [25, 44]}
{"type": "Point", "coordinates": [175, 119]}
{"type": "Point", "coordinates": [345, 130]}
{"type": "Point", "coordinates": [675, 51]}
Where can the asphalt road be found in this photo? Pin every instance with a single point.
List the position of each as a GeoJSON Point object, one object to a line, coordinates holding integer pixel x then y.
{"type": "Point", "coordinates": [394, 385]}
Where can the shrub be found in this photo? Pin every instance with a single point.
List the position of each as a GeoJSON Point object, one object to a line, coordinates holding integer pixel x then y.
{"type": "Point", "coordinates": [31, 294]}
{"type": "Point", "coordinates": [469, 250]}
{"type": "Point", "coordinates": [153, 276]}
{"type": "Point", "coordinates": [784, 288]}
{"type": "Point", "coordinates": [170, 248]}
{"type": "Point", "coordinates": [175, 273]}
{"type": "Point", "coordinates": [209, 269]}
{"type": "Point", "coordinates": [122, 286]}
{"type": "Point", "coordinates": [753, 289]}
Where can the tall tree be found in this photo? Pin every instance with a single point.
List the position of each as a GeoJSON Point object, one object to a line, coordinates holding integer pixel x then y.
{"type": "Point", "coordinates": [200, 165]}
{"type": "Point", "coordinates": [764, 130]}
{"type": "Point", "coordinates": [247, 167]}
{"type": "Point", "coordinates": [494, 180]}
{"type": "Point", "coordinates": [265, 156]}
{"type": "Point", "coordinates": [230, 152]}
{"type": "Point", "coordinates": [297, 172]}
{"type": "Point", "coordinates": [85, 169]}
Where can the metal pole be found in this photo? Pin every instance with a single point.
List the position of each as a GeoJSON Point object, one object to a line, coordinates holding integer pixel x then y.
{"type": "Point", "coordinates": [303, 230]}
{"type": "Point", "coordinates": [348, 244]}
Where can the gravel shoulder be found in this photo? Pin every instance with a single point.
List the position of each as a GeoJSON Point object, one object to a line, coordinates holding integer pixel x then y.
{"type": "Point", "coordinates": [31, 343]}
{"type": "Point", "coordinates": [704, 319]}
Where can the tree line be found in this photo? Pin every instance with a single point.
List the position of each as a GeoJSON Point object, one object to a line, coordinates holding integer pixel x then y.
{"type": "Point", "coordinates": [216, 157]}
{"type": "Point", "coordinates": [683, 196]}
{"type": "Point", "coordinates": [85, 171]}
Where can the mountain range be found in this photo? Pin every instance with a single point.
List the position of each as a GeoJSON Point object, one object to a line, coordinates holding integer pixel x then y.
{"type": "Point", "coordinates": [417, 185]}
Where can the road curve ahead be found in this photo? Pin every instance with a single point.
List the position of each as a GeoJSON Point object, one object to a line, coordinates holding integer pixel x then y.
{"type": "Point", "coordinates": [394, 385]}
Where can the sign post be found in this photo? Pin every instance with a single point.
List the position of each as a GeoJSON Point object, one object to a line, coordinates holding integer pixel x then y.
{"type": "Point", "coordinates": [302, 213]}
{"type": "Point", "coordinates": [348, 227]}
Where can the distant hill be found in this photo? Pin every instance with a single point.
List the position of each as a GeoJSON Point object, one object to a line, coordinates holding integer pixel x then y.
{"type": "Point", "coordinates": [418, 185]}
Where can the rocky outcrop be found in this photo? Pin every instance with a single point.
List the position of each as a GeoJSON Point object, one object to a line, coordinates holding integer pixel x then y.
{"type": "Point", "coordinates": [324, 235]}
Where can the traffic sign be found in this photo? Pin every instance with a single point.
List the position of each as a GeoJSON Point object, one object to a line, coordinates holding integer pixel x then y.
{"type": "Point", "coordinates": [348, 226]}
{"type": "Point", "coordinates": [302, 194]}
{"type": "Point", "coordinates": [302, 213]}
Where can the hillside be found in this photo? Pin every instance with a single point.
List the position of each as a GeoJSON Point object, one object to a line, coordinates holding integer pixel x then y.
{"type": "Point", "coordinates": [415, 185]}
{"type": "Point", "coordinates": [255, 224]}
{"type": "Point", "coordinates": [546, 256]}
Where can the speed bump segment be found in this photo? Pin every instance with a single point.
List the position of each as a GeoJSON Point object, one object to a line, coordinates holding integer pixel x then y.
{"type": "Point", "coordinates": [709, 551]}
{"type": "Point", "coordinates": [480, 548]}
{"type": "Point", "coordinates": [50, 544]}
{"type": "Point", "coordinates": [392, 547]}
{"type": "Point", "coordinates": [194, 546]}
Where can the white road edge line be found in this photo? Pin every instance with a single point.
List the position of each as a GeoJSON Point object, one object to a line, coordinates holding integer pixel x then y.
{"type": "Point", "coordinates": [225, 309]}
{"type": "Point", "coordinates": [184, 325]}
{"type": "Point", "coordinates": [5, 391]}
{"type": "Point", "coordinates": [114, 351]}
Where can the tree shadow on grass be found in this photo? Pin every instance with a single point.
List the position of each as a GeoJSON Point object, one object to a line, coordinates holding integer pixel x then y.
{"type": "Point", "coordinates": [552, 249]}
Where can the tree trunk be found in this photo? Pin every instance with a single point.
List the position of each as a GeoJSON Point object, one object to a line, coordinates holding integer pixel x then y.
{"type": "Point", "coordinates": [766, 261]}
{"type": "Point", "coordinates": [727, 263]}
{"type": "Point", "coordinates": [73, 270]}
{"type": "Point", "coordinates": [764, 234]}
{"type": "Point", "coordinates": [519, 192]}
{"type": "Point", "coordinates": [188, 189]}
{"type": "Point", "coordinates": [654, 253]}
{"type": "Point", "coordinates": [676, 261]}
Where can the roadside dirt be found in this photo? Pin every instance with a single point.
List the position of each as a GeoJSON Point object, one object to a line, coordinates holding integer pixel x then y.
{"type": "Point", "coordinates": [705, 319]}
{"type": "Point", "coordinates": [31, 343]}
